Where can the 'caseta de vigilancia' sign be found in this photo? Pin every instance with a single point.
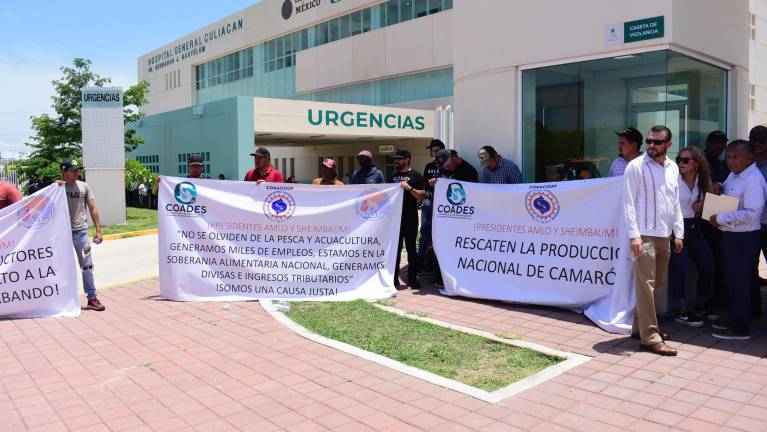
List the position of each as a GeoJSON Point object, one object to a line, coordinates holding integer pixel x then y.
{"type": "Point", "coordinates": [644, 29]}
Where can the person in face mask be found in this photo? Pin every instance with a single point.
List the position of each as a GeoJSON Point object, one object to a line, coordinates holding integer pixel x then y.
{"type": "Point", "coordinates": [368, 173]}
{"type": "Point", "coordinates": [497, 170]}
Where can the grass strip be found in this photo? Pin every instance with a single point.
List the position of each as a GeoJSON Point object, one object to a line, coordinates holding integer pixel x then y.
{"type": "Point", "coordinates": [470, 359]}
{"type": "Point", "coordinates": [137, 219]}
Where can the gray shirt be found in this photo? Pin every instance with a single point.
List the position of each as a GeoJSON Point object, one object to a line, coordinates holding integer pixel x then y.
{"type": "Point", "coordinates": [78, 195]}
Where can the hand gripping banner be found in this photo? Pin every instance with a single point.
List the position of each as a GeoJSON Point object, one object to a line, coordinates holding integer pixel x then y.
{"type": "Point", "coordinates": [554, 244]}
{"type": "Point", "coordinates": [38, 275]}
{"type": "Point", "coordinates": [227, 240]}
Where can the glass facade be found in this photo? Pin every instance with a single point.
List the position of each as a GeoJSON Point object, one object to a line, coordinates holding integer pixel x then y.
{"type": "Point", "coordinates": [268, 69]}
{"type": "Point", "coordinates": [570, 111]}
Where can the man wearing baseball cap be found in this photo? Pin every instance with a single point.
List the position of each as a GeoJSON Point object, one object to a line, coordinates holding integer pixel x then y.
{"type": "Point", "coordinates": [264, 171]}
{"type": "Point", "coordinates": [368, 173]}
{"type": "Point", "coordinates": [329, 175]}
{"type": "Point", "coordinates": [195, 167]}
{"type": "Point", "coordinates": [412, 182]}
{"type": "Point", "coordinates": [629, 147]}
{"type": "Point", "coordinates": [430, 171]}
{"type": "Point", "coordinates": [80, 199]}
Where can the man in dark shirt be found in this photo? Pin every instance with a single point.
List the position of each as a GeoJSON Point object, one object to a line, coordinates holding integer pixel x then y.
{"type": "Point", "coordinates": [455, 168]}
{"type": "Point", "coordinates": [412, 182]}
{"type": "Point", "coordinates": [715, 144]}
{"type": "Point", "coordinates": [430, 171]}
{"type": "Point", "coordinates": [195, 167]}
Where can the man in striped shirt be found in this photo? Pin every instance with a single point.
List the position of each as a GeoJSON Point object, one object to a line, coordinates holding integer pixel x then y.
{"type": "Point", "coordinates": [629, 147]}
{"type": "Point", "coordinates": [497, 170]}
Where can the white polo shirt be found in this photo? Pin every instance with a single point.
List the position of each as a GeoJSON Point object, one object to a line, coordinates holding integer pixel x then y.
{"type": "Point", "coordinates": [750, 189]}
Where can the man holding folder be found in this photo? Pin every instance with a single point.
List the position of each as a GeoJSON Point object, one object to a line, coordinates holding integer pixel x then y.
{"type": "Point", "coordinates": [741, 237]}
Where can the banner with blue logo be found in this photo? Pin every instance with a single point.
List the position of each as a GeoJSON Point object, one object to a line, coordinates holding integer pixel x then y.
{"type": "Point", "coordinates": [230, 240]}
{"type": "Point", "coordinates": [38, 277]}
{"type": "Point", "coordinates": [555, 244]}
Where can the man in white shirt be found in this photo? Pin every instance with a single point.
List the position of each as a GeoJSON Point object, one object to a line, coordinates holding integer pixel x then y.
{"type": "Point", "coordinates": [651, 207]}
{"type": "Point", "coordinates": [741, 237]}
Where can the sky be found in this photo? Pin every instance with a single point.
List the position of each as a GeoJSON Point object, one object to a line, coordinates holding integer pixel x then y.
{"type": "Point", "coordinates": [40, 36]}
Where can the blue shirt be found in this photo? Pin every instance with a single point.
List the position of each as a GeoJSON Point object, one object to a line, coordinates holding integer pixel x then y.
{"type": "Point", "coordinates": [506, 172]}
{"type": "Point", "coordinates": [375, 176]}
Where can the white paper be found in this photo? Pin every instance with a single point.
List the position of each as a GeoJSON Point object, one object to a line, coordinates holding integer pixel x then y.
{"type": "Point", "coordinates": [716, 204]}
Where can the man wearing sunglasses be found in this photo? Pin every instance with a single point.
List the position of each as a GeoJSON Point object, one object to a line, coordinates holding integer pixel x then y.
{"type": "Point", "coordinates": [653, 213]}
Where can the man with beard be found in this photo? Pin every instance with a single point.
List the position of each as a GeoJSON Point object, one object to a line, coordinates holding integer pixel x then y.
{"type": "Point", "coordinates": [653, 213]}
{"type": "Point", "coordinates": [629, 147]}
{"type": "Point", "coordinates": [412, 182]}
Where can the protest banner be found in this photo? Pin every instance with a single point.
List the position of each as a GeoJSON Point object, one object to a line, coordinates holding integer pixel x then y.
{"type": "Point", "coordinates": [38, 276]}
{"type": "Point", "coordinates": [225, 240]}
{"type": "Point", "coordinates": [556, 244]}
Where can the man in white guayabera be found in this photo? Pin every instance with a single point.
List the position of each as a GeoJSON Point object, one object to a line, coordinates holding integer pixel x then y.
{"type": "Point", "coordinates": [653, 213]}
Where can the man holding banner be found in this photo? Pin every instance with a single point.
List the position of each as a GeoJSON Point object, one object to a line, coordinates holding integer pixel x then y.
{"type": "Point", "coordinates": [412, 182]}
{"type": "Point", "coordinates": [653, 213]}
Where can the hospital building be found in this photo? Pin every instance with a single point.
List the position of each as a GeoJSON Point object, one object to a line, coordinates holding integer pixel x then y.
{"type": "Point", "coordinates": [546, 82]}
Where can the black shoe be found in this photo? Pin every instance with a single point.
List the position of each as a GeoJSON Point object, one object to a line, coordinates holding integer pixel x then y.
{"type": "Point", "coordinates": [95, 304]}
{"type": "Point", "coordinates": [688, 319]}
{"type": "Point", "coordinates": [731, 334]}
{"type": "Point", "coordinates": [708, 314]}
{"type": "Point", "coordinates": [720, 325]}
{"type": "Point", "coordinates": [414, 284]}
{"type": "Point", "coordinates": [439, 283]}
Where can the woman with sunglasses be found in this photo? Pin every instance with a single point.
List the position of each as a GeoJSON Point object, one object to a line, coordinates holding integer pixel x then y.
{"type": "Point", "coordinates": [694, 182]}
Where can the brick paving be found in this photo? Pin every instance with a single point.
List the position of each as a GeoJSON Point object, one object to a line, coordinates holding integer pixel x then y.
{"type": "Point", "coordinates": [152, 365]}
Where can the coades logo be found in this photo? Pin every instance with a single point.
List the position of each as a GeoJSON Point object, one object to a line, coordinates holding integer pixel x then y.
{"type": "Point", "coordinates": [457, 198]}
{"type": "Point", "coordinates": [300, 6]}
{"type": "Point", "coordinates": [362, 119]}
{"type": "Point", "coordinates": [35, 213]}
{"type": "Point", "coordinates": [542, 205]}
{"type": "Point", "coordinates": [279, 206]}
{"type": "Point", "coordinates": [373, 205]}
{"type": "Point", "coordinates": [185, 194]}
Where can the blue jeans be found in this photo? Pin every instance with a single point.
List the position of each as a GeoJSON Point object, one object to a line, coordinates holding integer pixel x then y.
{"type": "Point", "coordinates": [696, 248]}
{"type": "Point", "coordinates": [84, 254]}
{"type": "Point", "coordinates": [739, 250]}
{"type": "Point", "coordinates": [425, 240]}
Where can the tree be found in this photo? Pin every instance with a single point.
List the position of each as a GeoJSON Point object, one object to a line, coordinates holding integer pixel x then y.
{"type": "Point", "coordinates": [59, 136]}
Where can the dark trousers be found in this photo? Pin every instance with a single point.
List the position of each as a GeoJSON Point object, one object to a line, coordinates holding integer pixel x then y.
{"type": "Point", "coordinates": [695, 248]}
{"type": "Point", "coordinates": [425, 240]}
{"type": "Point", "coordinates": [739, 250]}
{"type": "Point", "coordinates": [408, 232]}
{"type": "Point", "coordinates": [714, 239]}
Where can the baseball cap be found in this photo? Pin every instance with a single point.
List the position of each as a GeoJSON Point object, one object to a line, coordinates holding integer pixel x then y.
{"type": "Point", "coordinates": [194, 159]}
{"type": "Point", "coordinates": [758, 134]}
{"type": "Point", "coordinates": [436, 143]}
{"type": "Point", "coordinates": [632, 135]}
{"type": "Point", "coordinates": [402, 154]}
{"type": "Point", "coordinates": [261, 152]}
{"type": "Point", "coordinates": [329, 163]}
{"type": "Point", "coordinates": [365, 153]}
{"type": "Point", "coordinates": [442, 157]}
{"type": "Point", "coordinates": [717, 136]}
{"type": "Point", "coordinates": [67, 165]}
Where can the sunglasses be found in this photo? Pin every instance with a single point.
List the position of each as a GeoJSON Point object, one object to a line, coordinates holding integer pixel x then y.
{"type": "Point", "coordinates": [655, 142]}
{"type": "Point", "coordinates": [683, 160]}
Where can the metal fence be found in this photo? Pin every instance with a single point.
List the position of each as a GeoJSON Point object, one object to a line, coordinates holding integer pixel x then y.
{"type": "Point", "coordinates": [10, 176]}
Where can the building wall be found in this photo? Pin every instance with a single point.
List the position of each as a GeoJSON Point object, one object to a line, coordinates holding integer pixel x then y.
{"type": "Point", "coordinates": [224, 129]}
{"type": "Point", "coordinates": [758, 63]}
{"type": "Point", "coordinates": [494, 41]}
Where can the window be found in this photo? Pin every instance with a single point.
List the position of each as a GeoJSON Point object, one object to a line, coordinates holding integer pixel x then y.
{"type": "Point", "coordinates": [356, 23]}
{"type": "Point", "coordinates": [405, 10]}
{"type": "Point", "coordinates": [392, 12]}
{"type": "Point", "coordinates": [420, 8]}
{"type": "Point", "coordinates": [569, 112]}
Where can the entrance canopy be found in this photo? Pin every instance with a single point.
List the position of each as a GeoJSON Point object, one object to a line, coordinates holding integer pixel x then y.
{"type": "Point", "coordinates": [282, 121]}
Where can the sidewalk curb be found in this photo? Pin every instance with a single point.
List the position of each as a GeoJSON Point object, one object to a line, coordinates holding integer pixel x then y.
{"type": "Point", "coordinates": [129, 234]}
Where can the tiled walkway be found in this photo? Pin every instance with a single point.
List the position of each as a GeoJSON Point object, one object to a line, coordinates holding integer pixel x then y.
{"type": "Point", "coordinates": [152, 365]}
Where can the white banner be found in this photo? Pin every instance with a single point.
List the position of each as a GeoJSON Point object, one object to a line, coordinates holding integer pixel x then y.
{"type": "Point", "coordinates": [37, 274]}
{"type": "Point", "coordinates": [226, 240]}
{"type": "Point", "coordinates": [556, 244]}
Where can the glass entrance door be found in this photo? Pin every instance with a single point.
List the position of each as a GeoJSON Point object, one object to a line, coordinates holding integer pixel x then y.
{"type": "Point", "coordinates": [674, 118]}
